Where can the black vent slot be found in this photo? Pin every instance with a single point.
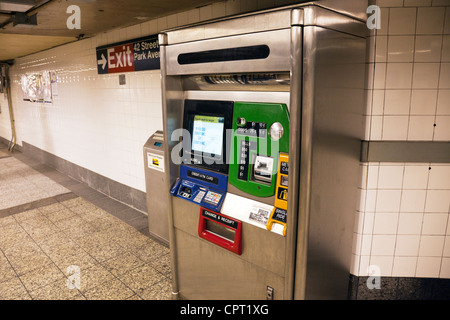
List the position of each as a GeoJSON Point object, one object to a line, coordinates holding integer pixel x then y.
{"type": "Point", "coordinates": [221, 55]}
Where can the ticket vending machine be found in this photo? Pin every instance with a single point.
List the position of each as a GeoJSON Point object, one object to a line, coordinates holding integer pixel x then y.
{"type": "Point", "coordinates": [263, 124]}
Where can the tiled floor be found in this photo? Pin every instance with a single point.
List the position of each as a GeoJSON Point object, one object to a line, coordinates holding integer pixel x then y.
{"type": "Point", "coordinates": [60, 239]}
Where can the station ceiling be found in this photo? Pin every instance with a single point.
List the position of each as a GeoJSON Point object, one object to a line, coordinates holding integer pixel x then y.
{"type": "Point", "coordinates": [19, 39]}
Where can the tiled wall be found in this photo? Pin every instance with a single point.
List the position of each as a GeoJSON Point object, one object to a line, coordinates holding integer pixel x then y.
{"type": "Point", "coordinates": [5, 125]}
{"type": "Point", "coordinates": [403, 216]}
{"type": "Point", "coordinates": [94, 122]}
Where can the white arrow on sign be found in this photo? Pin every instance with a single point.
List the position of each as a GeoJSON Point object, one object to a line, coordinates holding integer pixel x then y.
{"type": "Point", "coordinates": [102, 62]}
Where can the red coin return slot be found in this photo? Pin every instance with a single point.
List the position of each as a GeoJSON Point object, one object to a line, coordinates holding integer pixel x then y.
{"type": "Point", "coordinates": [221, 230]}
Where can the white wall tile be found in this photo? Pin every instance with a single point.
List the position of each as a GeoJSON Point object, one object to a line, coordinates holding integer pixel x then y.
{"type": "Point", "coordinates": [404, 266]}
{"type": "Point", "coordinates": [402, 21]}
{"type": "Point", "coordinates": [384, 263]}
{"type": "Point", "coordinates": [421, 128]}
{"type": "Point", "coordinates": [398, 75]}
{"type": "Point", "coordinates": [218, 9]}
{"type": "Point", "coordinates": [377, 102]}
{"type": "Point", "coordinates": [437, 201]}
{"type": "Point", "coordinates": [400, 48]}
{"type": "Point", "coordinates": [385, 223]}
{"type": "Point", "coordinates": [205, 13]}
{"type": "Point", "coordinates": [426, 75]}
{"type": "Point", "coordinates": [439, 177]}
{"type": "Point", "coordinates": [384, 22]}
{"type": "Point", "coordinates": [431, 246]}
{"type": "Point", "coordinates": [428, 267]}
{"type": "Point", "coordinates": [428, 48]}
{"type": "Point", "coordinates": [371, 198]}
{"type": "Point", "coordinates": [430, 20]}
{"type": "Point", "coordinates": [410, 223]}
{"type": "Point", "coordinates": [364, 262]}
{"type": "Point", "coordinates": [367, 127]}
{"type": "Point", "coordinates": [383, 245]}
{"type": "Point", "coordinates": [445, 48]}
{"type": "Point", "coordinates": [434, 223]}
{"type": "Point", "coordinates": [395, 128]}
{"type": "Point", "coordinates": [445, 268]}
{"type": "Point", "coordinates": [415, 177]}
{"type": "Point", "coordinates": [446, 252]}
{"type": "Point", "coordinates": [372, 176]}
{"type": "Point", "coordinates": [390, 177]}
{"type": "Point", "coordinates": [381, 48]}
{"type": "Point", "coordinates": [407, 245]}
{"type": "Point", "coordinates": [389, 3]}
{"type": "Point", "coordinates": [172, 21]}
{"type": "Point", "coordinates": [359, 223]}
{"type": "Point", "coordinates": [379, 77]}
{"type": "Point", "coordinates": [388, 200]}
{"type": "Point", "coordinates": [447, 21]}
{"type": "Point", "coordinates": [417, 3]}
{"type": "Point", "coordinates": [423, 102]}
{"type": "Point", "coordinates": [233, 7]}
{"type": "Point", "coordinates": [444, 79]}
{"type": "Point", "coordinates": [397, 102]}
{"type": "Point", "coordinates": [369, 219]}
{"type": "Point", "coordinates": [354, 264]}
{"type": "Point", "coordinates": [442, 130]}
{"type": "Point", "coordinates": [366, 244]}
{"type": "Point", "coordinates": [376, 127]}
{"type": "Point", "coordinates": [412, 73]}
{"type": "Point", "coordinates": [413, 201]}
{"type": "Point", "coordinates": [440, 3]}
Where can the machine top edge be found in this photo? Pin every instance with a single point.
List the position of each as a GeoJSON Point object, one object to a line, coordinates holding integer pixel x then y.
{"type": "Point", "coordinates": [313, 13]}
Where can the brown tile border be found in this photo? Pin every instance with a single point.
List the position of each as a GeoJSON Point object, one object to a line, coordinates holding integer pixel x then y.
{"type": "Point", "coordinates": [37, 204]}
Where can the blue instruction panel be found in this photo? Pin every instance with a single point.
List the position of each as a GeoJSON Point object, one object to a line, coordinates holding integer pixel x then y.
{"type": "Point", "coordinates": [201, 187]}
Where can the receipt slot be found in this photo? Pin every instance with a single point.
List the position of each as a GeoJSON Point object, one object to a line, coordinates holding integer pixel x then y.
{"type": "Point", "coordinates": [262, 115]}
{"type": "Point", "coordinates": [221, 230]}
{"type": "Point", "coordinates": [156, 198]}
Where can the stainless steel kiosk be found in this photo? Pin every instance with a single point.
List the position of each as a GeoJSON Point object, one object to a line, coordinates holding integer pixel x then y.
{"type": "Point", "coordinates": [263, 124]}
{"type": "Point", "coordinates": [155, 177]}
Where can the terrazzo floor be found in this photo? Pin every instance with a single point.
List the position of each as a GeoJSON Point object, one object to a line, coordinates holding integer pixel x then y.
{"type": "Point", "coordinates": [60, 240]}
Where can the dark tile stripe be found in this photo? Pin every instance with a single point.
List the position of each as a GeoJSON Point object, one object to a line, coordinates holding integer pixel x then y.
{"type": "Point", "coordinates": [36, 204]}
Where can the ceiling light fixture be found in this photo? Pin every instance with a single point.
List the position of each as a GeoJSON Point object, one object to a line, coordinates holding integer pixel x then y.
{"type": "Point", "coordinates": [19, 18]}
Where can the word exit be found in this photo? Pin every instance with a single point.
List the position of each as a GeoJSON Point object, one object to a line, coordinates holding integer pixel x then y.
{"type": "Point", "coordinates": [134, 55]}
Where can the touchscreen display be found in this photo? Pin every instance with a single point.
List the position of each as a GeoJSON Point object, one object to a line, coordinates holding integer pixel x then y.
{"type": "Point", "coordinates": [207, 135]}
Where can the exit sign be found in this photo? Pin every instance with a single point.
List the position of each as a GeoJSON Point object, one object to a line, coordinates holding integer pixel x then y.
{"type": "Point", "coordinates": [133, 55]}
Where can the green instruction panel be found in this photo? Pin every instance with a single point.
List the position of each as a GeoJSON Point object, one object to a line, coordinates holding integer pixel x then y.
{"type": "Point", "coordinates": [260, 133]}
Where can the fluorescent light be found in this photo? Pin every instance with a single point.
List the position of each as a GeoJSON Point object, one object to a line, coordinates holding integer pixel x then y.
{"type": "Point", "coordinates": [19, 18]}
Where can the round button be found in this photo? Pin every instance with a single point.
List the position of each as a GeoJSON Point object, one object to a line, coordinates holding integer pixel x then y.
{"type": "Point", "coordinates": [276, 131]}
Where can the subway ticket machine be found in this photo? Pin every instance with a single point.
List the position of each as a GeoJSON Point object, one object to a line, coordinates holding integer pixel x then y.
{"type": "Point", "coordinates": [262, 117]}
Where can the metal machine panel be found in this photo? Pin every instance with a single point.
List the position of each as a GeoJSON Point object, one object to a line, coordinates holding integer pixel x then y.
{"type": "Point", "coordinates": [330, 146]}
{"type": "Point", "coordinates": [218, 273]}
{"type": "Point", "coordinates": [277, 59]}
{"type": "Point", "coordinates": [186, 215]}
{"type": "Point", "coordinates": [158, 222]}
